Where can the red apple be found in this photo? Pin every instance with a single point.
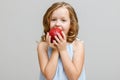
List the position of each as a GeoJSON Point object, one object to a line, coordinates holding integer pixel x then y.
{"type": "Point", "coordinates": [53, 32]}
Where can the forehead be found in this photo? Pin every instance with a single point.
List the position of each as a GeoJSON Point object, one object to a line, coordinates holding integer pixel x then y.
{"type": "Point", "coordinates": [62, 11]}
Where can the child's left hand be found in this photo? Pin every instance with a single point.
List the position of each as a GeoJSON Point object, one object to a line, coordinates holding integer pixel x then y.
{"type": "Point", "coordinates": [61, 42]}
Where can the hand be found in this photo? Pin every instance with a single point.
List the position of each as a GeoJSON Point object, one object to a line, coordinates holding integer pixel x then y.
{"type": "Point", "coordinates": [48, 40]}
{"type": "Point", "coordinates": [60, 42]}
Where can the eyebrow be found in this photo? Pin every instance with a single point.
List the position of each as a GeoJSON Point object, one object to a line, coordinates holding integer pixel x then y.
{"type": "Point", "coordinates": [56, 17]}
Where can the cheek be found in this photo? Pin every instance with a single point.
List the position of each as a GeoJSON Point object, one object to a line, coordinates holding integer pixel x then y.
{"type": "Point", "coordinates": [51, 24]}
{"type": "Point", "coordinates": [66, 29]}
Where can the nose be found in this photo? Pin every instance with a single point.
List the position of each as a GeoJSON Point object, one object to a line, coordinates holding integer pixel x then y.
{"type": "Point", "coordinates": [58, 23]}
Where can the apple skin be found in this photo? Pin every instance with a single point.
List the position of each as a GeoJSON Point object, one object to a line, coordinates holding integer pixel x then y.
{"type": "Point", "coordinates": [53, 32]}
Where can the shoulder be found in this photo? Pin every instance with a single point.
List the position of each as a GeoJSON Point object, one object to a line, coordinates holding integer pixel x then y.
{"type": "Point", "coordinates": [41, 45]}
{"type": "Point", "coordinates": [78, 45]}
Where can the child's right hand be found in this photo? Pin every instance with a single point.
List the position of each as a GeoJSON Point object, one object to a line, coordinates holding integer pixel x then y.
{"type": "Point", "coordinates": [48, 40]}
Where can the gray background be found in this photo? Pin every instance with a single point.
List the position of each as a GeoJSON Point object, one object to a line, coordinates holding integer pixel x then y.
{"type": "Point", "coordinates": [21, 27]}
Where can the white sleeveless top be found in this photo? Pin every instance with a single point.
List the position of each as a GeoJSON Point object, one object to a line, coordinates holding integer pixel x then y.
{"type": "Point", "coordinates": [60, 73]}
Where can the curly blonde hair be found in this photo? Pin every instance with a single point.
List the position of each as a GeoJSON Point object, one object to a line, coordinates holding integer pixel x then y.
{"type": "Point", "coordinates": [74, 27]}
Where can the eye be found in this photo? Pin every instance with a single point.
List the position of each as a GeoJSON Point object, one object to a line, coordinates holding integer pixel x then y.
{"type": "Point", "coordinates": [53, 19]}
{"type": "Point", "coordinates": [64, 20]}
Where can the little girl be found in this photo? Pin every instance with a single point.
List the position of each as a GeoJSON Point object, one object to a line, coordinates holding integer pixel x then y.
{"type": "Point", "coordinates": [63, 59]}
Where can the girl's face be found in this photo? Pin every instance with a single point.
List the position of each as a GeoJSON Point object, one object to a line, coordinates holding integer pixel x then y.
{"type": "Point", "coordinates": [60, 17]}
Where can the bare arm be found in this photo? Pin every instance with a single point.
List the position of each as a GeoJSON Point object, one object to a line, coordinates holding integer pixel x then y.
{"type": "Point", "coordinates": [48, 66]}
{"type": "Point", "coordinates": [73, 67]}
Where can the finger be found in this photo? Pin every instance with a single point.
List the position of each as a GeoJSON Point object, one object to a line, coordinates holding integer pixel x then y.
{"type": "Point", "coordinates": [49, 39]}
{"type": "Point", "coordinates": [64, 36]}
{"type": "Point", "coordinates": [47, 36]}
{"type": "Point", "coordinates": [57, 39]}
{"type": "Point", "coordinates": [55, 43]}
{"type": "Point", "coordinates": [60, 37]}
